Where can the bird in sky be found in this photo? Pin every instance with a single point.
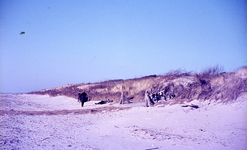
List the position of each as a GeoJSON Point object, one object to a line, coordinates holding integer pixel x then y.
{"type": "Point", "coordinates": [22, 33]}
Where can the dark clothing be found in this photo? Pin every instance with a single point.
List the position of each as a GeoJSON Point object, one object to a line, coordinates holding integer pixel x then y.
{"type": "Point", "coordinates": [104, 102]}
{"type": "Point", "coordinates": [83, 98]}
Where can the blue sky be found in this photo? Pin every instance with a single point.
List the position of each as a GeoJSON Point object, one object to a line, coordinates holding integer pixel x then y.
{"type": "Point", "coordinates": [81, 41]}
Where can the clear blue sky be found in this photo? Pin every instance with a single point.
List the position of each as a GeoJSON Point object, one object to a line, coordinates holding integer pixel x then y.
{"type": "Point", "coordinates": [81, 41]}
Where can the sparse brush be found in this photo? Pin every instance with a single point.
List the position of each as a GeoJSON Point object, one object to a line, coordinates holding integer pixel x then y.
{"type": "Point", "coordinates": [212, 71]}
{"type": "Point", "coordinates": [178, 72]}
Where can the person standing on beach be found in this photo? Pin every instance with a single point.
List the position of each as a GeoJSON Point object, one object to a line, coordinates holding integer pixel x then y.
{"type": "Point", "coordinates": [82, 97]}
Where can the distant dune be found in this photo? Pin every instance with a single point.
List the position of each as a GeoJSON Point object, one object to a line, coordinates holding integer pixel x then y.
{"type": "Point", "coordinates": [211, 84]}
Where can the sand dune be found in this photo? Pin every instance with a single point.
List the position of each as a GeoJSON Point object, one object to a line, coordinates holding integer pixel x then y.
{"type": "Point", "coordinates": [43, 122]}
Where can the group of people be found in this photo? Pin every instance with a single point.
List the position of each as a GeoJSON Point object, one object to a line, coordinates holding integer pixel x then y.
{"type": "Point", "coordinates": [150, 98]}
{"type": "Point", "coordinates": [158, 96]}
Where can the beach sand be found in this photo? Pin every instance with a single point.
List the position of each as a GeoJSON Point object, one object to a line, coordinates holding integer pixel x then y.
{"type": "Point", "coordinates": [53, 123]}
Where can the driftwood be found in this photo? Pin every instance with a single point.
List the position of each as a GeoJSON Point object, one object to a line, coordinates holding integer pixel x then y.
{"type": "Point", "coordinates": [192, 106]}
{"type": "Point", "coordinates": [148, 100]}
{"type": "Point", "coordinates": [123, 99]}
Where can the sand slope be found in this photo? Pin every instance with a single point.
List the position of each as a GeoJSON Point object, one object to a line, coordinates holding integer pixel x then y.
{"type": "Point", "coordinates": [43, 122]}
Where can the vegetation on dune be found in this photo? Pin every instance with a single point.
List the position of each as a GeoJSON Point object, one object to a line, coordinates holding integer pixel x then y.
{"type": "Point", "coordinates": [211, 84]}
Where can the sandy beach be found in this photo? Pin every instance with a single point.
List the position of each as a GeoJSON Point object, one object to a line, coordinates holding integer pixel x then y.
{"type": "Point", "coordinates": [43, 122]}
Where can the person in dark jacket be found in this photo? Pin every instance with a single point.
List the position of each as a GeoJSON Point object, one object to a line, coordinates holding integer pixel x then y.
{"type": "Point", "coordinates": [82, 97]}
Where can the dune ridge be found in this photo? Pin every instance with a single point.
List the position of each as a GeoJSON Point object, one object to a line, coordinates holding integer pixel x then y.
{"type": "Point", "coordinates": [210, 84]}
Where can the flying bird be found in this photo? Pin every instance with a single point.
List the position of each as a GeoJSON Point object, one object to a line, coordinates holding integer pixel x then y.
{"type": "Point", "coordinates": [22, 33]}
